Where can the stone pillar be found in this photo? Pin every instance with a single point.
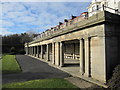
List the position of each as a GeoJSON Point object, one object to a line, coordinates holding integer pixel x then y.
{"type": "Point", "coordinates": [47, 55]}
{"type": "Point", "coordinates": [41, 52]}
{"type": "Point", "coordinates": [61, 54]}
{"type": "Point", "coordinates": [34, 50]}
{"type": "Point", "coordinates": [53, 53]}
{"type": "Point", "coordinates": [57, 53]}
{"type": "Point", "coordinates": [87, 57]}
{"type": "Point", "coordinates": [38, 51]}
{"type": "Point", "coordinates": [81, 56]}
{"type": "Point", "coordinates": [74, 51]}
{"type": "Point", "coordinates": [30, 51]}
{"type": "Point", "coordinates": [26, 50]}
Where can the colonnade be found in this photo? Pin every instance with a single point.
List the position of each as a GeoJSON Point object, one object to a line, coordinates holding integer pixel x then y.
{"type": "Point", "coordinates": [97, 39]}
{"type": "Point", "coordinates": [58, 54]}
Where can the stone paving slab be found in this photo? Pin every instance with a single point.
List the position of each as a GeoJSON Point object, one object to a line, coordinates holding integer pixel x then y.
{"type": "Point", "coordinates": [81, 83]}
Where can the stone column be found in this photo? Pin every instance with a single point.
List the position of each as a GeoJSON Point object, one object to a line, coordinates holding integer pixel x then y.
{"type": "Point", "coordinates": [61, 54]}
{"type": "Point", "coordinates": [30, 51]}
{"type": "Point", "coordinates": [34, 50]}
{"type": "Point", "coordinates": [26, 50]}
{"type": "Point", "coordinates": [74, 51]}
{"type": "Point", "coordinates": [87, 57]}
{"type": "Point", "coordinates": [53, 53]}
{"type": "Point", "coordinates": [47, 55]}
{"type": "Point", "coordinates": [38, 51]}
{"type": "Point", "coordinates": [41, 52]}
{"type": "Point", "coordinates": [81, 56]}
{"type": "Point", "coordinates": [57, 53]}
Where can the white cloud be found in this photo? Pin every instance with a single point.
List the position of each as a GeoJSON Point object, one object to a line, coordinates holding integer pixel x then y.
{"type": "Point", "coordinates": [43, 15]}
{"type": "Point", "coordinates": [25, 19]}
{"type": "Point", "coordinates": [46, 0]}
{"type": "Point", "coordinates": [50, 17]}
{"type": "Point", "coordinates": [4, 31]}
{"type": "Point", "coordinates": [14, 15]}
{"type": "Point", "coordinates": [6, 23]}
{"type": "Point", "coordinates": [14, 6]}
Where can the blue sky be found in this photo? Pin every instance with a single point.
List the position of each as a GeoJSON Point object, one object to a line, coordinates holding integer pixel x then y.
{"type": "Point", "coordinates": [20, 17]}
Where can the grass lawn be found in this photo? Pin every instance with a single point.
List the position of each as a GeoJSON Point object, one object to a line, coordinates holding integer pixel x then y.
{"type": "Point", "coordinates": [9, 64]}
{"type": "Point", "coordinates": [43, 83]}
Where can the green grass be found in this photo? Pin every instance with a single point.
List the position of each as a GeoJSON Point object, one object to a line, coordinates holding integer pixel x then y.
{"type": "Point", "coordinates": [9, 64]}
{"type": "Point", "coordinates": [43, 83]}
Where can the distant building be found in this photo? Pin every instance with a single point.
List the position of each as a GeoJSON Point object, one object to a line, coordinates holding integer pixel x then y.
{"type": "Point", "coordinates": [96, 6]}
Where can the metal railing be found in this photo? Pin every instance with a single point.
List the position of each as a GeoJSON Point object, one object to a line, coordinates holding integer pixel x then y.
{"type": "Point", "coordinates": [104, 8]}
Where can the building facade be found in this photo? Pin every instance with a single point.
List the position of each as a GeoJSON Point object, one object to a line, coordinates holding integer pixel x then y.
{"type": "Point", "coordinates": [96, 6]}
{"type": "Point", "coordinates": [93, 42]}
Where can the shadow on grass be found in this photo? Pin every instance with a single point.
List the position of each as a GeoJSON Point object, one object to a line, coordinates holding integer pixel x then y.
{"type": "Point", "coordinates": [26, 76]}
{"type": "Point", "coordinates": [42, 83]}
{"type": "Point", "coordinates": [11, 72]}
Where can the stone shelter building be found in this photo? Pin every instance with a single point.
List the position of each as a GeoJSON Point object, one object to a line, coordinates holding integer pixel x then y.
{"type": "Point", "coordinates": [93, 41]}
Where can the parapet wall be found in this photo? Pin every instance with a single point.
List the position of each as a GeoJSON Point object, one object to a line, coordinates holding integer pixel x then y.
{"type": "Point", "coordinates": [98, 18]}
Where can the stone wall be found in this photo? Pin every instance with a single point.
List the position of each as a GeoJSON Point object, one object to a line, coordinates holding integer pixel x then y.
{"type": "Point", "coordinates": [97, 58]}
{"type": "Point", "coordinates": [96, 41]}
{"type": "Point", "coordinates": [112, 42]}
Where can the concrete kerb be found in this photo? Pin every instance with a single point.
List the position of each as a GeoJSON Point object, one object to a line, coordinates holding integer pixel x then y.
{"type": "Point", "coordinates": [88, 79]}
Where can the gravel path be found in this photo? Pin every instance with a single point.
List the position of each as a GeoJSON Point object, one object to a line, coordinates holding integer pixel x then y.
{"type": "Point", "coordinates": [33, 69]}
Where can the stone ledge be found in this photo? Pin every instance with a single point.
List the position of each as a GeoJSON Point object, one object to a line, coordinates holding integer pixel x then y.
{"type": "Point", "coordinates": [99, 18]}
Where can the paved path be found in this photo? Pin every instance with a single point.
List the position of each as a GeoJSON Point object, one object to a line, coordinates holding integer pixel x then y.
{"type": "Point", "coordinates": [33, 69]}
{"type": "Point", "coordinates": [82, 84]}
